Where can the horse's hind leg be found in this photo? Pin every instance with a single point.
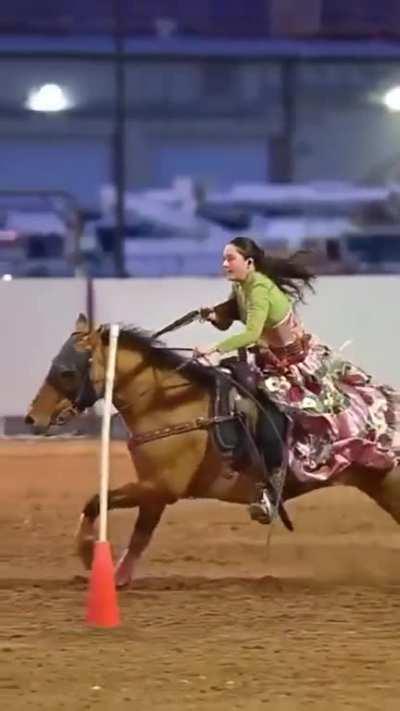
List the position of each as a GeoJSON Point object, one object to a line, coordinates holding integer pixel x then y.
{"type": "Point", "coordinates": [147, 520]}
{"type": "Point", "coordinates": [388, 493]}
{"type": "Point", "coordinates": [385, 490]}
{"type": "Point", "coordinates": [127, 496]}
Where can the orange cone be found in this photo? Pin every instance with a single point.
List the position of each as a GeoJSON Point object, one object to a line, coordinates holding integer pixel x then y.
{"type": "Point", "coordinates": [102, 606]}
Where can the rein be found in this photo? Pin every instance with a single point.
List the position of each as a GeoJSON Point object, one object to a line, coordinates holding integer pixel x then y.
{"type": "Point", "coordinates": [200, 423]}
{"type": "Point", "coordinates": [87, 396]}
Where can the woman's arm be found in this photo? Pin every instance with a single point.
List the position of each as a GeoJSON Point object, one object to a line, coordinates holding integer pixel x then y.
{"type": "Point", "coordinates": [257, 312]}
{"type": "Point", "coordinates": [225, 314]}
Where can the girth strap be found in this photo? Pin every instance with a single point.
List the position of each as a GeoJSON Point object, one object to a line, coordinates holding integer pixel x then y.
{"type": "Point", "coordinates": [200, 423]}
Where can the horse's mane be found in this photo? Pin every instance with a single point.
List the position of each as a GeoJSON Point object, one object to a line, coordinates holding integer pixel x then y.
{"type": "Point", "coordinates": [159, 355]}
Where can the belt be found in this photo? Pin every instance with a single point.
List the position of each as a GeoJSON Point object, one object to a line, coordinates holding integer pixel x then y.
{"type": "Point", "coordinates": [282, 357]}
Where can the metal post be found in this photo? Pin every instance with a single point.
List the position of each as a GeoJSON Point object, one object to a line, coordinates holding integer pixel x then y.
{"type": "Point", "coordinates": [119, 139]}
{"type": "Point", "coordinates": [289, 116]}
{"type": "Point", "coordinates": [90, 302]}
{"type": "Point", "coordinates": [76, 228]}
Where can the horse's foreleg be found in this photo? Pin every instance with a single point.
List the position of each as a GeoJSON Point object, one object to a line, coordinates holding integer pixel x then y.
{"type": "Point", "coordinates": [128, 496]}
{"type": "Point", "coordinates": [149, 516]}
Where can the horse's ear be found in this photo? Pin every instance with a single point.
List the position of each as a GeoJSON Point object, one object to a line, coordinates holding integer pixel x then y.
{"type": "Point", "coordinates": [96, 334]}
{"type": "Point", "coordinates": [82, 324]}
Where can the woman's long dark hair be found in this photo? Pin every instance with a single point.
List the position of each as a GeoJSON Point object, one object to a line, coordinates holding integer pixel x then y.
{"type": "Point", "coordinates": [291, 274]}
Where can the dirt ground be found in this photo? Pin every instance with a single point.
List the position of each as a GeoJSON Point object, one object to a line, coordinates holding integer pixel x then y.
{"type": "Point", "coordinates": [218, 620]}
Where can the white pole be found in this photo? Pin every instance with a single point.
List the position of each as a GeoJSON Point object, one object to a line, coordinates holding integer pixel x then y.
{"type": "Point", "coordinates": [105, 430]}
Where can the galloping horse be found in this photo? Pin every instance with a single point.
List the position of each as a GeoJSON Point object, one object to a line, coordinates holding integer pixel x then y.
{"type": "Point", "coordinates": [164, 400]}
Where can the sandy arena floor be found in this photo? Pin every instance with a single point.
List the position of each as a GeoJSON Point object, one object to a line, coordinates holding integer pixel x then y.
{"type": "Point", "coordinates": [217, 621]}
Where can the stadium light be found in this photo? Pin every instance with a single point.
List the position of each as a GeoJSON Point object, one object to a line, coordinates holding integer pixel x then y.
{"type": "Point", "coordinates": [49, 97]}
{"type": "Point", "coordinates": [392, 99]}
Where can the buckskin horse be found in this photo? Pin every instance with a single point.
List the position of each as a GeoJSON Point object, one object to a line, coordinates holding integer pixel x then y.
{"type": "Point", "coordinates": [167, 402]}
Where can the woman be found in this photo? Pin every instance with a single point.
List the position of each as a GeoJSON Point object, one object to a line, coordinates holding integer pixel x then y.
{"type": "Point", "coordinates": [337, 417]}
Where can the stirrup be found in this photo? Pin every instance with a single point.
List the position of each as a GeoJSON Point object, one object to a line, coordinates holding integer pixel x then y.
{"type": "Point", "coordinates": [263, 510]}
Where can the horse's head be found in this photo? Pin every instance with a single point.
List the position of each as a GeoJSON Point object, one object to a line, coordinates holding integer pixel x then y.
{"type": "Point", "coordinates": [72, 384]}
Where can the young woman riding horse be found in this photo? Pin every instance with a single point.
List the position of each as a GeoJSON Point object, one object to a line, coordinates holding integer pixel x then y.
{"type": "Point", "coordinates": [336, 416]}
{"type": "Point", "coordinates": [339, 423]}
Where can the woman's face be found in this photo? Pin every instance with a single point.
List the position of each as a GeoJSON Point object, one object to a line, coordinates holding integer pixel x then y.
{"type": "Point", "coordinates": [236, 267]}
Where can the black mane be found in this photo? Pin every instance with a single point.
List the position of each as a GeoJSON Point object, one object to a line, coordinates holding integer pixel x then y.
{"type": "Point", "coordinates": [159, 355]}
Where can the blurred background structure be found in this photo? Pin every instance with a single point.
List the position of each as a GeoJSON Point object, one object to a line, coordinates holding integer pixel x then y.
{"type": "Point", "coordinates": [136, 136]}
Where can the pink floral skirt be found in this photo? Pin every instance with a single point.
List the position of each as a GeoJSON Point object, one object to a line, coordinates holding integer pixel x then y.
{"type": "Point", "coordinates": [338, 416]}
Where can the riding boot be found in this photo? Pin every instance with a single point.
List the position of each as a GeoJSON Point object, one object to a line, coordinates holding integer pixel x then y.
{"type": "Point", "coordinates": [264, 508]}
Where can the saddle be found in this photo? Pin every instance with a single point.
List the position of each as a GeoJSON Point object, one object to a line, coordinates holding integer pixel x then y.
{"type": "Point", "coordinates": [234, 395]}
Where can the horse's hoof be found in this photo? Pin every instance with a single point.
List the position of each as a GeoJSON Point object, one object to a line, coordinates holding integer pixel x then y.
{"type": "Point", "coordinates": [125, 571]}
{"type": "Point", "coordinates": [124, 586]}
{"type": "Point", "coordinates": [85, 540]}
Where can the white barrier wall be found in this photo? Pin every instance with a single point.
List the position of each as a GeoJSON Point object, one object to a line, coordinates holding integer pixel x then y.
{"type": "Point", "coordinates": [363, 310]}
{"type": "Point", "coordinates": [366, 311]}
{"type": "Point", "coordinates": [37, 315]}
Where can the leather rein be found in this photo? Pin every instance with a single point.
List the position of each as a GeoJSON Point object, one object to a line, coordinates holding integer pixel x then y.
{"type": "Point", "coordinates": [87, 394]}
{"type": "Point", "coordinates": [200, 423]}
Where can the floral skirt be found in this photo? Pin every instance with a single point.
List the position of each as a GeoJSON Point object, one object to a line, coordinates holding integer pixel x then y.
{"type": "Point", "coordinates": [338, 416]}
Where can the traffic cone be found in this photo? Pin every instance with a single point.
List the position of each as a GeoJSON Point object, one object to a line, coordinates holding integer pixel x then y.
{"type": "Point", "coordinates": [102, 606]}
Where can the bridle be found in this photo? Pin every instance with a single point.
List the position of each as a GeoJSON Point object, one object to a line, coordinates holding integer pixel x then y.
{"type": "Point", "coordinates": [74, 364]}
{"type": "Point", "coordinates": [78, 362]}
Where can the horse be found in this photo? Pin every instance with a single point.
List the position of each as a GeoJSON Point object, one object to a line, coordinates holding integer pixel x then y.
{"type": "Point", "coordinates": [164, 399]}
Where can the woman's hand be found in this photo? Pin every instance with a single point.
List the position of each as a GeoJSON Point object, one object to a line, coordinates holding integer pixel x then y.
{"type": "Point", "coordinates": [199, 351]}
{"type": "Point", "coordinates": [207, 314]}
{"type": "Point", "coordinates": [206, 355]}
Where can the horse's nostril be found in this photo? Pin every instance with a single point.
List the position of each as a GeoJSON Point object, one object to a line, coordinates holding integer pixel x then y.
{"type": "Point", "coordinates": [29, 420]}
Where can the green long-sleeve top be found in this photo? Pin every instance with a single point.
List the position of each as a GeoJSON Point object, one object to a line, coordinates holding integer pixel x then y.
{"type": "Point", "coordinates": [258, 303]}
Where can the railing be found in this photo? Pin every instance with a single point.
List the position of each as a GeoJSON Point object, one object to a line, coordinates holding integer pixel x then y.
{"type": "Point", "coordinates": [66, 207]}
{"type": "Point", "coordinates": [208, 18]}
